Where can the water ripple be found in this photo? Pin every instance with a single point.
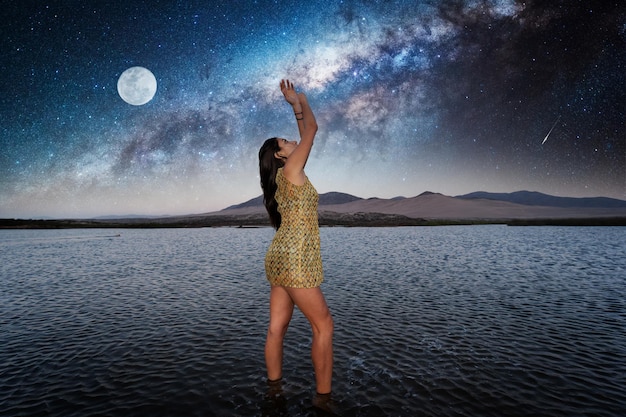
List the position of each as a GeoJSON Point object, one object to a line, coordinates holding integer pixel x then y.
{"type": "Point", "coordinates": [446, 321]}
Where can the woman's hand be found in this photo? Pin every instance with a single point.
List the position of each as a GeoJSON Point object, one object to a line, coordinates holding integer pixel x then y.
{"type": "Point", "coordinates": [288, 90]}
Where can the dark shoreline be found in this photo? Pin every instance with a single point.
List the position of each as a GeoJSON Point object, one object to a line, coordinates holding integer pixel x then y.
{"type": "Point", "coordinates": [326, 219]}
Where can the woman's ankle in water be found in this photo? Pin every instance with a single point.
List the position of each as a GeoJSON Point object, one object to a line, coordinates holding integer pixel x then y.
{"type": "Point", "coordinates": [325, 403]}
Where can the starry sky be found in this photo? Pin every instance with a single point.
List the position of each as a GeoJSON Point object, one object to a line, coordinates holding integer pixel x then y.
{"type": "Point", "coordinates": [410, 96]}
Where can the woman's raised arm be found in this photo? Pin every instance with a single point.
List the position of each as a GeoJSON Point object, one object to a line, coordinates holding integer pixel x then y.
{"type": "Point", "coordinates": [307, 126]}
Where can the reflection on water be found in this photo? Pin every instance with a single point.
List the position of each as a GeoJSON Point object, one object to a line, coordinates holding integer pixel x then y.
{"type": "Point", "coordinates": [430, 321]}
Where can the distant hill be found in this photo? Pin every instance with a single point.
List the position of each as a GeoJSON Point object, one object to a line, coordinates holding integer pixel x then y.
{"type": "Point", "coordinates": [337, 198]}
{"type": "Point", "coordinates": [474, 206]}
{"type": "Point", "coordinates": [325, 199]}
{"type": "Point", "coordinates": [526, 198]}
{"type": "Point", "coordinates": [533, 198]}
{"type": "Point", "coordinates": [256, 201]}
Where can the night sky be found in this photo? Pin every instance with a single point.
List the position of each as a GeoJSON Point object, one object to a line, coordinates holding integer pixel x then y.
{"type": "Point", "coordinates": [410, 96]}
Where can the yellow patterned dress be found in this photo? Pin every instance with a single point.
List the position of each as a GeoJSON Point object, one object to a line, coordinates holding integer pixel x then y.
{"type": "Point", "coordinates": [293, 258]}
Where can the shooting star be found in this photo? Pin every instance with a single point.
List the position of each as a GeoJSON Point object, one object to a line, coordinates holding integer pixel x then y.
{"type": "Point", "coordinates": [551, 129]}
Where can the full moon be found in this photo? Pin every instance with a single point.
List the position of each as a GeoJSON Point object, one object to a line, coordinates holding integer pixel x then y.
{"type": "Point", "coordinates": [137, 86]}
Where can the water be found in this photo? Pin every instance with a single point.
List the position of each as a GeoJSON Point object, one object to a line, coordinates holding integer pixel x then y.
{"type": "Point", "coordinates": [430, 321]}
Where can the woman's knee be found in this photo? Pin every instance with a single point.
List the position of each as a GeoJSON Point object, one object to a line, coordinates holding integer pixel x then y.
{"type": "Point", "coordinates": [277, 329]}
{"type": "Point", "coordinates": [324, 326]}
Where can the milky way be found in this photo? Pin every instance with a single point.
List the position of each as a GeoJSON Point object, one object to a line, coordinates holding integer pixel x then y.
{"type": "Point", "coordinates": [410, 96]}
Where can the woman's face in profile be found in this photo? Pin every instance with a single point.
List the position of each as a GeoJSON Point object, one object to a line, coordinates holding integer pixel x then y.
{"type": "Point", "coordinates": [286, 147]}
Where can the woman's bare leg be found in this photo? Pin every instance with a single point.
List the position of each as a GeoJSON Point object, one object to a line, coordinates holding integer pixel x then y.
{"type": "Point", "coordinates": [313, 305]}
{"type": "Point", "coordinates": [281, 310]}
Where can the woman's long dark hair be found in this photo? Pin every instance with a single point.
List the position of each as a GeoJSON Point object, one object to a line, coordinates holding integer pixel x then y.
{"type": "Point", "coordinates": [268, 166]}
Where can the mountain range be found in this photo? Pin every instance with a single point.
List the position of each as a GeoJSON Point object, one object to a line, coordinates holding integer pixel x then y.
{"type": "Point", "coordinates": [473, 206]}
{"type": "Point", "coordinates": [428, 208]}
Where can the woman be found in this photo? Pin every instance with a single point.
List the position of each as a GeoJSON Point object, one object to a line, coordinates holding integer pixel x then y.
{"type": "Point", "coordinates": [293, 263]}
